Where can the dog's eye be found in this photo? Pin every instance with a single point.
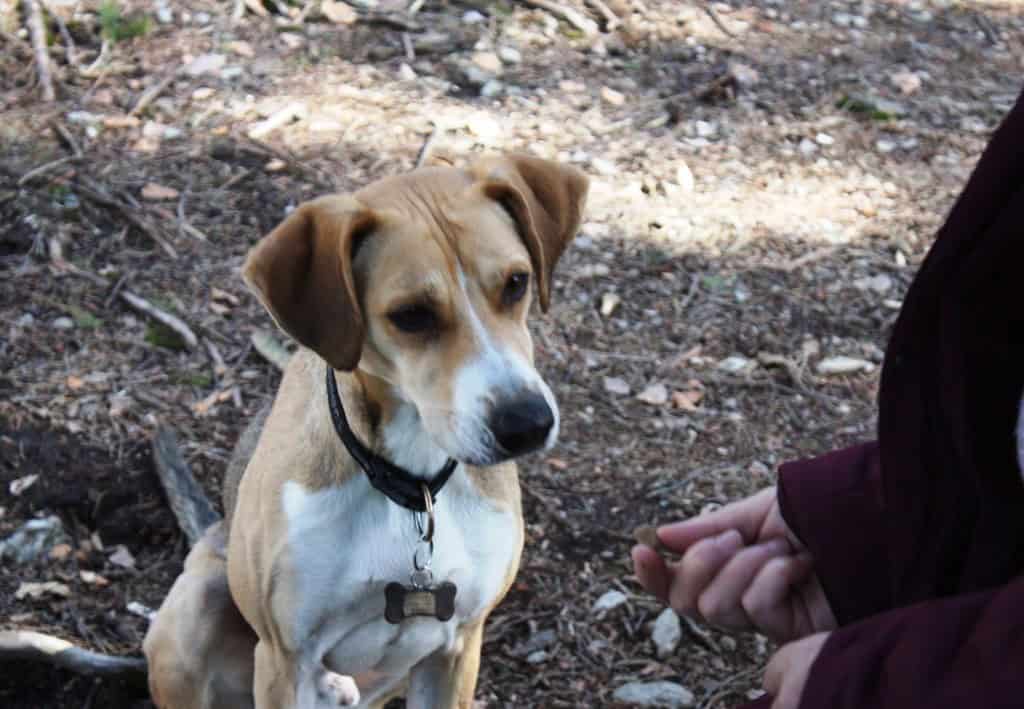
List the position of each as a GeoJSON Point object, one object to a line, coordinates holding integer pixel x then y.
{"type": "Point", "coordinates": [414, 319]}
{"type": "Point", "coordinates": [515, 288]}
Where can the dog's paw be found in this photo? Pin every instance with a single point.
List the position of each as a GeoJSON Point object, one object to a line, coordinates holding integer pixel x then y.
{"type": "Point", "coordinates": [338, 690]}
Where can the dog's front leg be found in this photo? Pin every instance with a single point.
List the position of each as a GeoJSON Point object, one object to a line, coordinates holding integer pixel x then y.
{"type": "Point", "coordinates": [448, 680]}
{"type": "Point", "coordinates": [283, 681]}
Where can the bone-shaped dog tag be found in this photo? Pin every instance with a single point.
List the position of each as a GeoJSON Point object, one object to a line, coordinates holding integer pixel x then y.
{"type": "Point", "coordinates": [406, 601]}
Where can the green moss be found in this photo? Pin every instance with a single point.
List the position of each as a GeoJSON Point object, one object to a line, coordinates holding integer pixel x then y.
{"type": "Point", "coordinates": [160, 335]}
{"type": "Point", "coordinates": [116, 26]}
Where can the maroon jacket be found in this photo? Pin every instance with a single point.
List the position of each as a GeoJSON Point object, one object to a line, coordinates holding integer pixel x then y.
{"type": "Point", "coordinates": [919, 538]}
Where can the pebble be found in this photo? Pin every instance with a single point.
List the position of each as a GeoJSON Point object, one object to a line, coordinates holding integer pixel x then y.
{"type": "Point", "coordinates": [472, 17]}
{"type": "Point", "coordinates": [843, 365]}
{"type": "Point", "coordinates": [705, 129]}
{"type": "Point", "coordinates": [602, 166]}
{"type": "Point", "coordinates": [610, 600]}
{"type": "Point", "coordinates": [667, 633]}
{"type": "Point", "coordinates": [510, 55]}
{"type": "Point", "coordinates": [824, 139]}
{"type": "Point", "coordinates": [736, 364]}
{"type": "Point", "coordinates": [164, 15]}
{"type": "Point", "coordinates": [205, 64]}
{"type": "Point", "coordinates": [406, 72]}
{"type": "Point", "coordinates": [807, 147]}
{"type": "Point", "coordinates": [654, 694]}
{"type": "Point", "coordinates": [536, 658]}
{"type": "Point", "coordinates": [492, 88]}
{"type": "Point", "coordinates": [489, 62]}
{"type": "Point", "coordinates": [63, 323]}
{"type": "Point", "coordinates": [610, 95]}
{"type": "Point", "coordinates": [885, 146]}
{"type": "Point", "coordinates": [880, 283]}
{"type": "Point", "coordinates": [32, 539]}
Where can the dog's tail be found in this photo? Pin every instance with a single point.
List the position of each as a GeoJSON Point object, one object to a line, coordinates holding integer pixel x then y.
{"type": "Point", "coordinates": [190, 505]}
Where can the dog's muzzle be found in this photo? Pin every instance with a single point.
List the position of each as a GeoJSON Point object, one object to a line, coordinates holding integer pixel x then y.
{"type": "Point", "coordinates": [521, 425]}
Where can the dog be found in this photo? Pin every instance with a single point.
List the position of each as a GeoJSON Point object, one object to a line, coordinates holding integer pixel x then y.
{"type": "Point", "coordinates": [373, 519]}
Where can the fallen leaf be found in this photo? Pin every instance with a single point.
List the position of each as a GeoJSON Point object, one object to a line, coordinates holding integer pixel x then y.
{"type": "Point", "coordinates": [22, 484]}
{"type": "Point", "coordinates": [74, 383]}
{"type": "Point", "coordinates": [33, 589]}
{"type": "Point", "coordinates": [156, 192]}
{"type": "Point", "coordinates": [60, 552]}
{"type": "Point", "coordinates": [654, 394]}
{"type": "Point", "coordinates": [92, 578]}
{"type": "Point", "coordinates": [122, 557]}
{"type": "Point", "coordinates": [557, 463]}
{"type": "Point", "coordinates": [687, 400]}
{"type": "Point", "coordinates": [338, 12]}
{"type": "Point", "coordinates": [615, 385]}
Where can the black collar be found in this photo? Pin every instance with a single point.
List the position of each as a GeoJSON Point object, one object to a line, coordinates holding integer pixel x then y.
{"type": "Point", "coordinates": [400, 486]}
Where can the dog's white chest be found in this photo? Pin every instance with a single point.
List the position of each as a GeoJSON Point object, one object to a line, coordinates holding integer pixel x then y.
{"type": "Point", "coordinates": [345, 544]}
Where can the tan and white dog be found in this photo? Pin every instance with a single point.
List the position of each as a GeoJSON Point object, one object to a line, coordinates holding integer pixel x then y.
{"type": "Point", "coordinates": [415, 291]}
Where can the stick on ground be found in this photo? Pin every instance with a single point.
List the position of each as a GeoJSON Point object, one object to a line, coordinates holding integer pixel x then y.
{"type": "Point", "coordinates": [27, 645]}
{"type": "Point", "coordinates": [171, 321]}
{"type": "Point", "coordinates": [190, 505]}
{"type": "Point", "coordinates": [574, 17]}
{"type": "Point", "coordinates": [38, 32]}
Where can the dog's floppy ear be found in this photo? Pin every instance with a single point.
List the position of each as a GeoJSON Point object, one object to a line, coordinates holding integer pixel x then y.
{"type": "Point", "coordinates": [302, 272]}
{"type": "Point", "coordinates": [546, 201]}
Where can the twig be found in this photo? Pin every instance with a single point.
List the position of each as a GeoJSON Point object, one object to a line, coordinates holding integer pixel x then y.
{"type": "Point", "coordinates": [388, 19]}
{"type": "Point", "coordinates": [716, 19]}
{"type": "Point", "coordinates": [116, 290]}
{"type": "Point", "coordinates": [611, 20]}
{"type": "Point", "coordinates": [38, 32]}
{"type": "Point", "coordinates": [410, 51]}
{"type": "Point", "coordinates": [809, 257]}
{"type": "Point", "coordinates": [190, 505]}
{"type": "Point", "coordinates": [99, 67]}
{"type": "Point", "coordinates": [270, 349]}
{"type": "Point", "coordinates": [28, 645]}
{"type": "Point", "coordinates": [18, 44]}
{"type": "Point", "coordinates": [415, 7]}
{"type": "Point", "coordinates": [96, 195]}
{"type": "Point", "coordinates": [67, 138]}
{"type": "Point", "coordinates": [183, 223]}
{"type": "Point", "coordinates": [70, 52]}
{"type": "Point", "coordinates": [574, 17]}
{"type": "Point", "coordinates": [171, 321]}
{"type": "Point", "coordinates": [237, 12]}
{"type": "Point", "coordinates": [43, 169]}
{"type": "Point", "coordinates": [150, 94]}
{"type": "Point", "coordinates": [428, 145]}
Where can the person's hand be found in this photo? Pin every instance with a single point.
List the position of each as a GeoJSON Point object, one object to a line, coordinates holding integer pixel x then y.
{"type": "Point", "coordinates": [786, 674]}
{"type": "Point", "coordinates": [741, 569]}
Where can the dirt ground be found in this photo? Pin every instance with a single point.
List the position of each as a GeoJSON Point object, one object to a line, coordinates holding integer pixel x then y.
{"type": "Point", "coordinates": [767, 176]}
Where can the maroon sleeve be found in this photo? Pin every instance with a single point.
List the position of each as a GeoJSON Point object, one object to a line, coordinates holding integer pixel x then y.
{"type": "Point", "coordinates": [834, 505]}
{"type": "Point", "coordinates": [951, 653]}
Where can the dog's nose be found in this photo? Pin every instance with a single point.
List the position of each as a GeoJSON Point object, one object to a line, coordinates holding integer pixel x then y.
{"type": "Point", "coordinates": [522, 424]}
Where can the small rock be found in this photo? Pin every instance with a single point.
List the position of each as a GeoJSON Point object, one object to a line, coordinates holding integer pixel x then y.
{"type": "Point", "coordinates": [666, 634]}
{"type": "Point", "coordinates": [92, 578]}
{"type": "Point", "coordinates": [203, 93]}
{"type": "Point", "coordinates": [610, 600]}
{"type": "Point", "coordinates": [26, 320]}
{"type": "Point", "coordinates": [489, 62]}
{"type": "Point", "coordinates": [684, 177]}
{"type": "Point", "coordinates": [510, 55]}
{"type": "Point", "coordinates": [153, 130]}
{"type": "Point", "coordinates": [602, 166]}
{"type": "Point", "coordinates": [30, 589]}
{"type": "Point", "coordinates": [475, 76]}
{"type": "Point", "coordinates": [906, 81]}
{"type": "Point", "coordinates": [745, 76]}
{"type": "Point", "coordinates": [205, 64]}
{"type": "Point", "coordinates": [406, 72]}
{"type": "Point", "coordinates": [136, 608]}
{"type": "Point", "coordinates": [164, 15]}
{"type": "Point", "coordinates": [880, 283]}
{"type": "Point", "coordinates": [62, 323]}
{"type": "Point", "coordinates": [736, 364]}
{"type": "Point", "coordinates": [537, 642]}
{"type": "Point", "coordinates": [885, 146]}
{"type": "Point", "coordinates": [705, 129]}
{"type": "Point", "coordinates": [231, 72]}
{"type": "Point", "coordinates": [843, 365]}
{"type": "Point", "coordinates": [609, 302]}
{"type": "Point", "coordinates": [122, 557]}
{"type": "Point", "coordinates": [615, 385]}
{"type": "Point", "coordinates": [84, 117]}
{"type": "Point", "coordinates": [202, 18]}
{"type": "Point", "coordinates": [654, 394]}
{"type": "Point", "coordinates": [242, 48]}
{"type": "Point", "coordinates": [492, 88]}
{"type": "Point", "coordinates": [32, 539]}
{"type": "Point", "coordinates": [612, 96]}
{"type": "Point", "coordinates": [807, 147]}
{"type": "Point", "coordinates": [824, 139]}
{"type": "Point", "coordinates": [654, 694]}
{"type": "Point", "coordinates": [842, 19]}
{"type": "Point", "coordinates": [537, 657]}
{"type": "Point", "coordinates": [472, 17]}
{"type": "Point", "coordinates": [339, 13]}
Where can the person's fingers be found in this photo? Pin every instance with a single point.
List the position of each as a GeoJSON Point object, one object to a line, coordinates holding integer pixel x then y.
{"type": "Point", "coordinates": [697, 568]}
{"type": "Point", "coordinates": [775, 671]}
{"type": "Point", "coordinates": [745, 516]}
{"type": "Point", "coordinates": [770, 599]}
{"type": "Point", "coordinates": [651, 571]}
{"type": "Point", "coordinates": [721, 601]}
